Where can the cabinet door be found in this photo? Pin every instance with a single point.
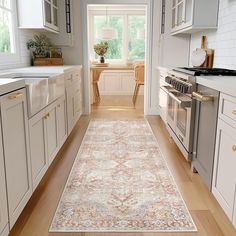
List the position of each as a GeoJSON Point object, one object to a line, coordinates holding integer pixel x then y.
{"type": "Point", "coordinates": [61, 121]}
{"type": "Point", "coordinates": [3, 196]}
{"type": "Point", "coordinates": [39, 163]}
{"type": "Point", "coordinates": [51, 132]}
{"type": "Point", "coordinates": [70, 108]}
{"type": "Point", "coordinates": [16, 152]}
{"type": "Point", "coordinates": [224, 179]}
{"type": "Point", "coordinates": [51, 14]}
{"type": "Point", "coordinates": [180, 12]}
{"type": "Point", "coordinates": [77, 102]}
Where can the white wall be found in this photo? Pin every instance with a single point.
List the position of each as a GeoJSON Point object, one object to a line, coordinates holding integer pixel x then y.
{"type": "Point", "coordinates": [223, 40]}
{"type": "Point", "coordinates": [24, 54]}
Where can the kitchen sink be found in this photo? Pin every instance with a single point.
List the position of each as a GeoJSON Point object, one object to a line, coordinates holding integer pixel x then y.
{"type": "Point", "coordinates": [42, 89]}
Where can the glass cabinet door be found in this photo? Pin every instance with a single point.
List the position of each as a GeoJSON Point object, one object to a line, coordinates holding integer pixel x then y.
{"type": "Point", "coordinates": [47, 11]}
{"type": "Point", "coordinates": [55, 12]}
{"type": "Point", "coordinates": [51, 14]}
{"type": "Point", "coordinates": [181, 12]}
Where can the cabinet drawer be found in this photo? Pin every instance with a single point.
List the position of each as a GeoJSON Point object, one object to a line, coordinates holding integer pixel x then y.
{"type": "Point", "coordinates": [227, 110]}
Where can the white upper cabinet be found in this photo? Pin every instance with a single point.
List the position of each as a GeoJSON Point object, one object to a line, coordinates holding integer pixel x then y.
{"type": "Point", "coordinates": [38, 14]}
{"type": "Point", "coordinates": [189, 16]}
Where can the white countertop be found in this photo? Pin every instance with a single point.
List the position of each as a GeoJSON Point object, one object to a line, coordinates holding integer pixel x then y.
{"type": "Point", "coordinates": [9, 85]}
{"type": "Point", "coordinates": [42, 69]}
{"type": "Point", "coordinates": [224, 84]}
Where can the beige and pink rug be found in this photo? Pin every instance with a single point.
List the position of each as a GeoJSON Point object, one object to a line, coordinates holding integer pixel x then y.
{"type": "Point", "coordinates": [120, 183]}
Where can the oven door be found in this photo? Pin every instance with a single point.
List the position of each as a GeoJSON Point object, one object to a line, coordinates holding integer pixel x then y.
{"type": "Point", "coordinates": [183, 123]}
{"type": "Point", "coordinates": [179, 116]}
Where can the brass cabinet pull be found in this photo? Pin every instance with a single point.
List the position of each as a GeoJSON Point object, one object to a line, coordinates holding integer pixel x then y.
{"type": "Point", "coordinates": [234, 148]}
{"type": "Point", "coordinates": [234, 112]}
{"type": "Point", "coordinates": [11, 97]}
{"type": "Point", "coordinates": [47, 115]}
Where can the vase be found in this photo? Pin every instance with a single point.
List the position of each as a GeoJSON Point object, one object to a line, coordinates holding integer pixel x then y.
{"type": "Point", "coordinates": [102, 59]}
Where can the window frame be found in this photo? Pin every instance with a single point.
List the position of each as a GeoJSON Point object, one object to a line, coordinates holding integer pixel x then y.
{"type": "Point", "coordinates": [13, 57]}
{"type": "Point", "coordinates": [123, 13]}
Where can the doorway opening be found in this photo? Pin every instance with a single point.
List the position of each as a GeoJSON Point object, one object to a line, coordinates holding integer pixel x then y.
{"type": "Point", "coordinates": [116, 57]}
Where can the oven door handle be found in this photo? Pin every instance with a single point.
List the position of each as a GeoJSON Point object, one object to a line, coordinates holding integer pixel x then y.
{"type": "Point", "coordinates": [203, 98]}
{"type": "Point", "coordinates": [179, 101]}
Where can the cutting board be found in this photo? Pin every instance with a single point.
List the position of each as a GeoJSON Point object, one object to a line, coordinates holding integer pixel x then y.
{"type": "Point", "coordinates": [209, 54]}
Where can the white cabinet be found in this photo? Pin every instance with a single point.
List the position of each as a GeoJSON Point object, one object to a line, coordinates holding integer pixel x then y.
{"type": "Point", "coordinates": [4, 226]}
{"type": "Point", "coordinates": [51, 132]}
{"type": "Point", "coordinates": [61, 121]}
{"type": "Point", "coordinates": [189, 16]}
{"type": "Point", "coordinates": [37, 133]}
{"type": "Point", "coordinates": [163, 96]}
{"type": "Point", "coordinates": [16, 152]}
{"type": "Point", "coordinates": [64, 38]}
{"type": "Point", "coordinates": [224, 176]}
{"type": "Point", "coordinates": [38, 14]}
{"type": "Point", "coordinates": [44, 129]}
{"type": "Point", "coordinates": [73, 98]}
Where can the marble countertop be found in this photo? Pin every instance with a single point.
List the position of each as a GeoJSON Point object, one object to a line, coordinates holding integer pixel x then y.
{"type": "Point", "coordinates": [224, 84]}
{"type": "Point", "coordinates": [8, 85]}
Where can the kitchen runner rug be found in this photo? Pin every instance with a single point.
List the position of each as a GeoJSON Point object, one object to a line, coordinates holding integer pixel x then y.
{"type": "Point", "coordinates": [120, 183]}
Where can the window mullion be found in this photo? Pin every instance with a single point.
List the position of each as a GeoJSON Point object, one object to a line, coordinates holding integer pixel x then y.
{"type": "Point", "coordinates": [126, 38]}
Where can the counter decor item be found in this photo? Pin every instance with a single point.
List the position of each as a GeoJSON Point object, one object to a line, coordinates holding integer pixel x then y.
{"type": "Point", "coordinates": [101, 49]}
{"type": "Point", "coordinates": [43, 51]}
{"type": "Point", "coordinates": [203, 57]}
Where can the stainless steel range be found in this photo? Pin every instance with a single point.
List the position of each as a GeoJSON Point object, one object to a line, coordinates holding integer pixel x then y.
{"type": "Point", "coordinates": [183, 96]}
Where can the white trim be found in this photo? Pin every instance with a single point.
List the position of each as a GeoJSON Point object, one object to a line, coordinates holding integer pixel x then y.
{"type": "Point", "coordinates": [149, 45]}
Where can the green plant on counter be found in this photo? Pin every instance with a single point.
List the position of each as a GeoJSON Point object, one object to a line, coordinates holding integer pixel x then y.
{"type": "Point", "coordinates": [40, 46]}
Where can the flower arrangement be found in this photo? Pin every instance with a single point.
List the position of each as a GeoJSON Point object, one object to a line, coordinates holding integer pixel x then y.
{"type": "Point", "coordinates": [101, 50]}
{"type": "Point", "coordinates": [40, 46]}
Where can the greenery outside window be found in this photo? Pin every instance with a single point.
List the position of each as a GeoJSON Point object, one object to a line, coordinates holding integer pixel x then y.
{"type": "Point", "coordinates": [127, 46]}
{"type": "Point", "coordinates": [6, 27]}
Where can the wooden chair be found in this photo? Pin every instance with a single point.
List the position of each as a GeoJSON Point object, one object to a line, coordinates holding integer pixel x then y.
{"type": "Point", "coordinates": [139, 79]}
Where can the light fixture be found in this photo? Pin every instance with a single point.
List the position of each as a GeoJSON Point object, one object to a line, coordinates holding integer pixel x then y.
{"type": "Point", "coordinates": [107, 32]}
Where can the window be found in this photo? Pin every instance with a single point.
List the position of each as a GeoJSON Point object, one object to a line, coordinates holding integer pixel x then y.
{"type": "Point", "coordinates": [115, 45]}
{"type": "Point", "coordinates": [136, 43]}
{"type": "Point", "coordinates": [6, 27]}
{"type": "Point", "coordinates": [128, 45]}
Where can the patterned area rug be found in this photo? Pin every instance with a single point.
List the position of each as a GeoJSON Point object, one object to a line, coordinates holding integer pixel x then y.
{"type": "Point", "coordinates": [120, 183]}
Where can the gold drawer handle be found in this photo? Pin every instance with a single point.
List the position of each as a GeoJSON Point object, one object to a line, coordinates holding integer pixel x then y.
{"type": "Point", "coordinates": [15, 96]}
{"type": "Point", "coordinates": [234, 112]}
{"type": "Point", "coordinates": [46, 116]}
{"type": "Point", "coordinates": [234, 148]}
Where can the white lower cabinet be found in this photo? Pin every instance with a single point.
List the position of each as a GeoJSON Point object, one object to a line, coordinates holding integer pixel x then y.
{"type": "Point", "coordinates": [39, 161]}
{"type": "Point", "coordinates": [51, 132]}
{"type": "Point", "coordinates": [44, 129]}
{"type": "Point", "coordinates": [224, 176]}
{"type": "Point", "coordinates": [16, 152]}
{"type": "Point", "coordinates": [61, 121]}
{"type": "Point", "coordinates": [73, 99]}
{"type": "Point", "coordinates": [4, 226]}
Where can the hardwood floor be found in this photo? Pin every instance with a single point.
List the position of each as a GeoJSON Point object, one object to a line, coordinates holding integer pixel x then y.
{"type": "Point", "coordinates": [206, 212]}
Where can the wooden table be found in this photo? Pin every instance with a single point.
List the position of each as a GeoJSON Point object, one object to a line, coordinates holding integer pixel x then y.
{"type": "Point", "coordinates": [95, 75]}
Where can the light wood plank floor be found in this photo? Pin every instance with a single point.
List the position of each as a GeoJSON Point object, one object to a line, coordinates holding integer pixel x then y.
{"type": "Point", "coordinates": [206, 212]}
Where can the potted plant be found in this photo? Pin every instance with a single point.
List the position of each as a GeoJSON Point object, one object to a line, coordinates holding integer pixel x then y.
{"type": "Point", "coordinates": [101, 49]}
{"type": "Point", "coordinates": [40, 46]}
